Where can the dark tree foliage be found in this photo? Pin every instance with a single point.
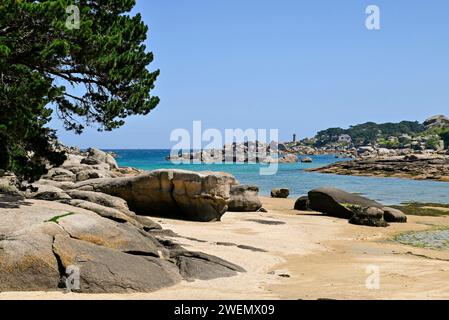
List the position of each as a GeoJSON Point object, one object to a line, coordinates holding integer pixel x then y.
{"type": "Point", "coordinates": [328, 135]}
{"type": "Point", "coordinates": [92, 75]}
{"type": "Point", "coordinates": [445, 137]}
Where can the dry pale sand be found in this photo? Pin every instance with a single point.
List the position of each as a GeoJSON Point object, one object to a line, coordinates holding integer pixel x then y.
{"type": "Point", "coordinates": [299, 255]}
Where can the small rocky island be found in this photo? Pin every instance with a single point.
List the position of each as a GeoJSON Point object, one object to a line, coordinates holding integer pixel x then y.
{"type": "Point", "coordinates": [245, 152]}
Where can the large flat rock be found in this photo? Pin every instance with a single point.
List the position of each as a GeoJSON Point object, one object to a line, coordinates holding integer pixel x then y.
{"type": "Point", "coordinates": [41, 240]}
{"type": "Point", "coordinates": [106, 270]}
{"type": "Point", "coordinates": [27, 262]}
{"type": "Point", "coordinates": [417, 167]}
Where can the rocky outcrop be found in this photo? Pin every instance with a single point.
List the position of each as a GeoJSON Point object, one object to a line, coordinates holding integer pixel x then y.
{"type": "Point", "coordinates": [250, 151]}
{"type": "Point", "coordinates": [60, 174]}
{"type": "Point", "coordinates": [302, 204]}
{"type": "Point", "coordinates": [107, 206]}
{"type": "Point", "coordinates": [280, 193]}
{"type": "Point", "coordinates": [197, 196]}
{"type": "Point", "coordinates": [197, 265]}
{"type": "Point", "coordinates": [109, 213]}
{"type": "Point", "coordinates": [96, 156]}
{"type": "Point", "coordinates": [417, 167]}
{"type": "Point", "coordinates": [282, 158]}
{"type": "Point", "coordinates": [101, 199]}
{"type": "Point", "coordinates": [82, 166]}
{"type": "Point", "coordinates": [341, 204]}
{"type": "Point", "coordinates": [108, 233]}
{"type": "Point", "coordinates": [82, 216]}
{"type": "Point", "coordinates": [394, 215]}
{"type": "Point", "coordinates": [436, 121]}
{"type": "Point", "coordinates": [105, 270]}
{"type": "Point", "coordinates": [41, 241]}
{"type": "Point", "coordinates": [244, 198]}
{"type": "Point", "coordinates": [47, 192]}
{"type": "Point", "coordinates": [88, 174]}
{"type": "Point", "coordinates": [282, 147]}
{"type": "Point", "coordinates": [8, 186]}
{"type": "Point", "coordinates": [365, 150]}
{"type": "Point", "coordinates": [306, 160]}
{"type": "Point", "coordinates": [336, 202]}
{"type": "Point", "coordinates": [288, 158]}
{"type": "Point", "coordinates": [57, 184]}
{"type": "Point", "coordinates": [368, 216]}
{"type": "Point", "coordinates": [89, 179]}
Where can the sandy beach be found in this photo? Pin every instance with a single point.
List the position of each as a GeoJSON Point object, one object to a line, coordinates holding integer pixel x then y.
{"type": "Point", "coordinates": [299, 255]}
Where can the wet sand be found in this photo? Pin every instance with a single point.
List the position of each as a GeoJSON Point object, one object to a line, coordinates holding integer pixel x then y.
{"type": "Point", "coordinates": [300, 255]}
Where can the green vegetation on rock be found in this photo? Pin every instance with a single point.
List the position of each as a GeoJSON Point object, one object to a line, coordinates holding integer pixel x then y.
{"type": "Point", "coordinates": [424, 209]}
{"type": "Point", "coordinates": [57, 218]}
{"type": "Point", "coordinates": [443, 133]}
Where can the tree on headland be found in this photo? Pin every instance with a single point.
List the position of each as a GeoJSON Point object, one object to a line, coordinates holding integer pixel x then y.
{"type": "Point", "coordinates": [93, 74]}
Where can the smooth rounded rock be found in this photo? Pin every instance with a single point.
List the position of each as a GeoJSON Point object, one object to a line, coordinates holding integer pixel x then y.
{"type": "Point", "coordinates": [244, 198]}
{"type": "Point", "coordinates": [280, 193]}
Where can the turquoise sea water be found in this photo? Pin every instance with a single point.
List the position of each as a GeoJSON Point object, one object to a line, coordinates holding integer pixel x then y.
{"type": "Point", "coordinates": [293, 176]}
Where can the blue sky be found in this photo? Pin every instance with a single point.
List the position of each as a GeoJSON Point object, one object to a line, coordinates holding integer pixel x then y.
{"type": "Point", "coordinates": [293, 65]}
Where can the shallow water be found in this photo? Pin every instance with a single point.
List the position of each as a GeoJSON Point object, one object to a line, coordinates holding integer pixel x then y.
{"type": "Point", "coordinates": [437, 239]}
{"type": "Point", "coordinates": [293, 176]}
